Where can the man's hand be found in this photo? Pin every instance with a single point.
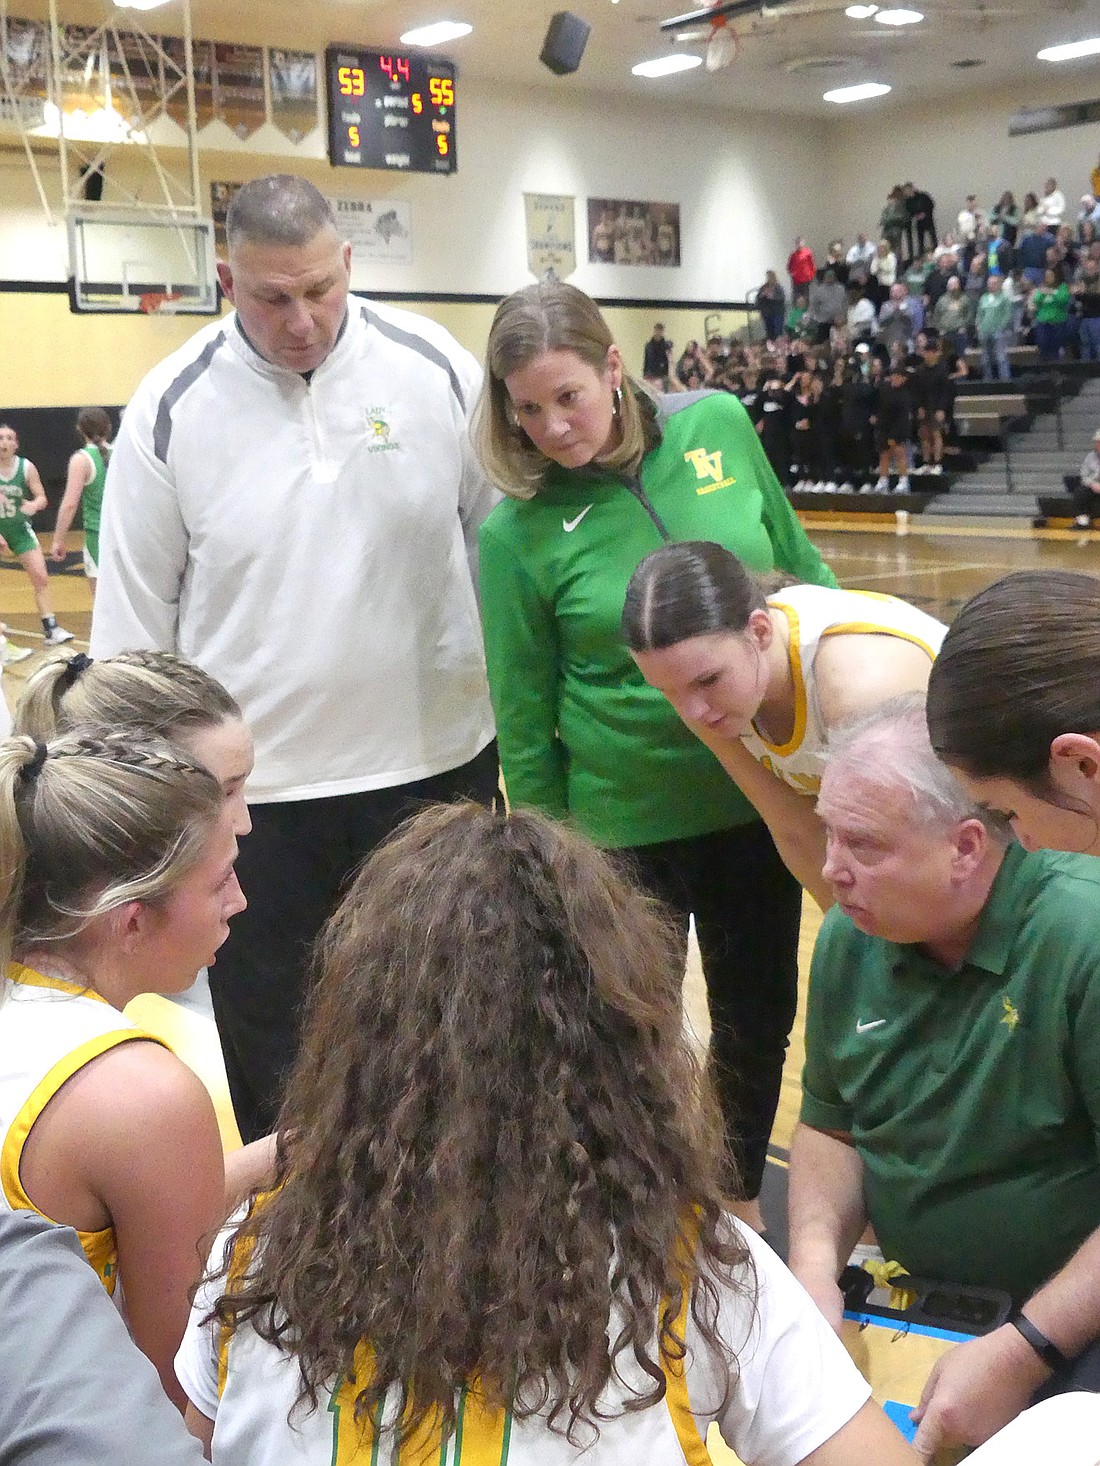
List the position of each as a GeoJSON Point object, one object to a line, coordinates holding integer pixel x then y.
{"type": "Point", "coordinates": [57, 551]}
{"type": "Point", "coordinates": [975, 1390]}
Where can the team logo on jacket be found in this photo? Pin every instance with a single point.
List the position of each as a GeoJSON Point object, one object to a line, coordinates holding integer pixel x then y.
{"type": "Point", "coordinates": [379, 432]}
{"type": "Point", "coordinates": [708, 469]}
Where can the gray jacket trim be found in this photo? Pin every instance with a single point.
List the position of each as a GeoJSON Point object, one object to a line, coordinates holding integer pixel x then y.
{"type": "Point", "coordinates": [162, 427]}
{"type": "Point", "coordinates": [415, 343]}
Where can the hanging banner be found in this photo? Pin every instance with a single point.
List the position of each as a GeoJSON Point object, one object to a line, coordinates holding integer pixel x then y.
{"type": "Point", "coordinates": [135, 76]}
{"type": "Point", "coordinates": [239, 87]}
{"type": "Point", "coordinates": [551, 242]}
{"type": "Point", "coordinates": [24, 45]}
{"type": "Point", "coordinates": [376, 229]}
{"type": "Point", "coordinates": [82, 88]}
{"type": "Point", "coordinates": [293, 79]}
{"type": "Point", "coordinates": [202, 58]}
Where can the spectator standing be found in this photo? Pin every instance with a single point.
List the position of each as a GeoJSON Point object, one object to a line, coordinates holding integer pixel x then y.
{"type": "Point", "coordinates": [1088, 213]}
{"type": "Point", "coordinates": [1086, 292]}
{"type": "Point", "coordinates": [935, 282]}
{"type": "Point", "coordinates": [922, 219]}
{"type": "Point", "coordinates": [771, 302]}
{"type": "Point", "coordinates": [348, 427]}
{"type": "Point", "coordinates": [896, 321]}
{"type": "Point", "coordinates": [894, 219]}
{"type": "Point", "coordinates": [993, 325]}
{"type": "Point", "coordinates": [857, 404]}
{"type": "Point", "coordinates": [953, 316]}
{"type": "Point", "coordinates": [860, 316]}
{"type": "Point", "coordinates": [797, 314]}
{"type": "Point", "coordinates": [1032, 216]}
{"type": "Point", "coordinates": [894, 429]}
{"type": "Point", "coordinates": [1050, 308]}
{"type": "Point", "coordinates": [1086, 497]}
{"type": "Point", "coordinates": [858, 259]}
{"type": "Point", "coordinates": [1031, 252]}
{"type": "Point", "coordinates": [884, 271]}
{"type": "Point", "coordinates": [1007, 215]}
{"type": "Point", "coordinates": [835, 260]}
{"type": "Point", "coordinates": [934, 396]}
{"type": "Point", "coordinates": [657, 354]}
{"type": "Point", "coordinates": [1052, 205]}
{"type": "Point", "coordinates": [827, 305]}
{"type": "Point", "coordinates": [966, 225]}
{"type": "Point", "coordinates": [800, 265]}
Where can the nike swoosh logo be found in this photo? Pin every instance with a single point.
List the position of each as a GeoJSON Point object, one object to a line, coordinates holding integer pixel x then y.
{"type": "Point", "coordinates": [569, 525]}
{"type": "Point", "coordinates": [874, 1023]}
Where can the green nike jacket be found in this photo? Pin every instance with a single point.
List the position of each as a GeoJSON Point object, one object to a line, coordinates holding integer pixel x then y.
{"type": "Point", "coordinates": [581, 734]}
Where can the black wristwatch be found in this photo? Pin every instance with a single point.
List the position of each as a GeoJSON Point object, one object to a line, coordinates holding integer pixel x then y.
{"type": "Point", "coordinates": [1049, 1353]}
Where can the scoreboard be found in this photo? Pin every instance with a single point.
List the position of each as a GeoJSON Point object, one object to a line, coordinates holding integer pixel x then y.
{"type": "Point", "coordinates": [387, 109]}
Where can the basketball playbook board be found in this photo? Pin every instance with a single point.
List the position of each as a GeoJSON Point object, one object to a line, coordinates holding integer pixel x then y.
{"type": "Point", "coordinates": [142, 260]}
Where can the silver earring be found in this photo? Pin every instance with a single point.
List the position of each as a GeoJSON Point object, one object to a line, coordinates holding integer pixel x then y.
{"type": "Point", "coordinates": [618, 394]}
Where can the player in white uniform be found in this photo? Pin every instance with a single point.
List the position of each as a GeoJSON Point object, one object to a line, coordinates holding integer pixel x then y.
{"type": "Point", "coordinates": [497, 1193]}
{"type": "Point", "coordinates": [118, 858]}
{"type": "Point", "coordinates": [762, 680]}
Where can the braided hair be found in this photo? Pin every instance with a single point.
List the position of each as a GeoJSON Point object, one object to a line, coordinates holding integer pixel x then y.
{"type": "Point", "coordinates": [149, 690]}
{"type": "Point", "coordinates": [89, 823]}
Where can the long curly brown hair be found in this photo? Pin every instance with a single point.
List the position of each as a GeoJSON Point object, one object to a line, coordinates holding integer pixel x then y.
{"type": "Point", "coordinates": [496, 1138]}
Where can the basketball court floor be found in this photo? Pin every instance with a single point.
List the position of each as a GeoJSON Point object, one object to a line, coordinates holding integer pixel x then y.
{"type": "Point", "coordinates": [935, 564]}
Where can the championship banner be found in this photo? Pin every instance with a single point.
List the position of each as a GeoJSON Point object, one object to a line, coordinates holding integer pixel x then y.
{"type": "Point", "coordinates": [376, 229]}
{"type": "Point", "coordinates": [293, 78]}
{"type": "Point", "coordinates": [551, 244]}
{"type": "Point", "coordinates": [202, 62]}
{"type": "Point", "coordinates": [239, 99]}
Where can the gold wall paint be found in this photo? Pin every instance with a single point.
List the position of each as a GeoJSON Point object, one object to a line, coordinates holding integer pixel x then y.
{"type": "Point", "coordinates": [65, 360]}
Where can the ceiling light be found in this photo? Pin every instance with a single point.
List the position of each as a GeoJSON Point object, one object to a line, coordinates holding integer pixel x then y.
{"type": "Point", "coordinates": [139, 4]}
{"type": "Point", "coordinates": [899, 17]}
{"type": "Point", "coordinates": [666, 65]}
{"type": "Point", "coordinates": [860, 12]}
{"type": "Point", "coordinates": [436, 35]}
{"type": "Point", "coordinates": [1071, 51]}
{"type": "Point", "coordinates": [858, 93]}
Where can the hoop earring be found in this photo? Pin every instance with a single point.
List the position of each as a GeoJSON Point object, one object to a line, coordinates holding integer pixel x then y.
{"type": "Point", "coordinates": [618, 408]}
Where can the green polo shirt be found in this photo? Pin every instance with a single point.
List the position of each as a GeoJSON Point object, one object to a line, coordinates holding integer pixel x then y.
{"type": "Point", "coordinates": [973, 1096]}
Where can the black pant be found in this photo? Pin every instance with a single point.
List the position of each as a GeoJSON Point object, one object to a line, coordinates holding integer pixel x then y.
{"type": "Point", "coordinates": [747, 908]}
{"type": "Point", "coordinates": [293, 868]}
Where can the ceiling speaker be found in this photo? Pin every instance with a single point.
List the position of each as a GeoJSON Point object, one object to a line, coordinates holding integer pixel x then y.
{"type": "Point", "coordinates": [565, 42]}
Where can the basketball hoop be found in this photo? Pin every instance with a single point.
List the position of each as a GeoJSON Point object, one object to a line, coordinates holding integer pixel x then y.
{"type": "Point", "coordinates": [159, 302]}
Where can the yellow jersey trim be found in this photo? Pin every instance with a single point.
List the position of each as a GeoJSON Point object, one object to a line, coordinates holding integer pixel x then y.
{"type": "Point", "coordinates": [794, 661]}
{"type": "Point", "coordinates": [99, 1246]}
{"type": "Point", "coordinates": [678, 1400]}
{"type": "Point", "coordinates": [859, 628]}
{"type": "Point", "coordinates": [27, 977]}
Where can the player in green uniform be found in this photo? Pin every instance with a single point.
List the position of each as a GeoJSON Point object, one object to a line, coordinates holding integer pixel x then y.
{"type": "Point", "coordinates": [18, 479]}
{"type": "Point", "coordinates": [84, 487]}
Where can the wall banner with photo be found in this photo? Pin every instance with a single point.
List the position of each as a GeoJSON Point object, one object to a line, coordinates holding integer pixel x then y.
{"type": "Point", "coordinates": [377, 229]}
{"type": "Point", "coordinates": [551, 236]}
{"type": "Point", "coordinates": [629, 232]}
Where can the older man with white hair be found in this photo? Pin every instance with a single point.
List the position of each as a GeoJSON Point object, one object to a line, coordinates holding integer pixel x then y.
{"type": "Point", "coordinates": [951, 1094]}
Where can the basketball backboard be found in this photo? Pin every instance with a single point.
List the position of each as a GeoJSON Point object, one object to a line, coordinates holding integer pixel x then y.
{"type": "Point", "coordinates": [142, 260]}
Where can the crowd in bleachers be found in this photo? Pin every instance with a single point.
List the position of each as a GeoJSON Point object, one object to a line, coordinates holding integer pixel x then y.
{"type": "Point", "coordinates": [849, 370]}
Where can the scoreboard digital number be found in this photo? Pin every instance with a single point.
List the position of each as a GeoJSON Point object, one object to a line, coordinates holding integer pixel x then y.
{"type": "Point", "coordinates": [390, 110]}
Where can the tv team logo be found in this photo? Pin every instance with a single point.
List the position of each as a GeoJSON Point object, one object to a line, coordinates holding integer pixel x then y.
{"type": "Point", "coordinates": [379, 432]}
{"type": "Point", "coordinates": [708, 469]}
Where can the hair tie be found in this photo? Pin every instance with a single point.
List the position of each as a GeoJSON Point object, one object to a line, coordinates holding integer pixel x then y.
{"type": "Point", "coordinates": [30, 771]}
{"type": "Point", "coordinates": [73, 668]}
